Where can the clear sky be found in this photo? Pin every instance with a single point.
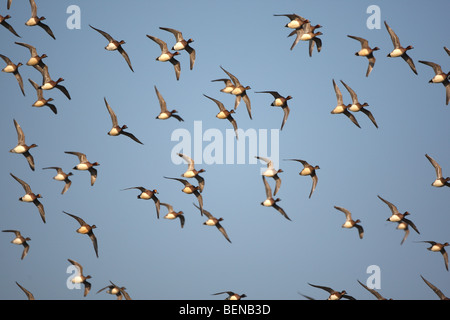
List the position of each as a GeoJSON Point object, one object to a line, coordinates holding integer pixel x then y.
{"type": "Point", "coordinates": [269, 257]}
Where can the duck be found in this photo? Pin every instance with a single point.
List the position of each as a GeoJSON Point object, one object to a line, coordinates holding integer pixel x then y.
{"type": "Point", "coordinates": [172, 214]}
{"type": "Point", "coordinates": [147, 194]}
{"type": "Point", "coordinates": [231, 295]}
{"type": "Point", "coordinates": [350, 223]}
{"type": "Point", "coordinates": [86, 229]}
{"type": "Point", "coordinates": [7, 25]}
{"type": "Point", "coordinates": [14, 69]}
{"type": "Point", "coordinates": [295, 22]}
{"type": "Point", "coordinates": [229, 86]}
{"type": "Point", "coordinates": [166, 55]}
{"type": "Point", "coordinates": [20, 240]}
{"type": "Point", "coordinates": [80, 277]}
{"type": "Point", "coordinates": [165, 114]}
{"type": "Point", "coordinates": [397, 216]}
{"type": "Point", "coordinates": [41, 101]}
{"type": "Point", "coordinates": [271, 172]}
{"type": "Point", "coordinates": [84, 164]}
{"type": "Point", "coordinates": [62, 176]}
{"type": "Point", "coordinates": [341, 107]}
{"type": "Point", "coordinates": [439, 77]}
{"type": "Point", "coordinates": [31, 197]}
{"type": "Point", "coordinates": [373, 291]}
{"type": "Point", "coordinates": [366, 51]}
{"type": "Point", "coordinates": [280, 101]}
{"type": "Point", "coordinates": [115, 45]}
{"type": "Point", "coordinates": [439, 247]}
{"type": "Point", "coordinates": [37, 21]}
{"type": "Point", "coordinates": [190, 189]}
{"type": "Point", "coordinates": [182, 44]}
{"type": "Point", "coordinates": [400, 51]}
{"type": "Point", "coordinates": [225, 114]}
{"type": "Point", "coordinates": [440, 180]}
{"type": "Point", "coordinates": [308, 170]}
{"type": "Point", "coordinates": [29, 295]}
{"type": "Point", "coordinates": [49, 84]}
{"type": "Point", "coordinates": [213, 221]}
{"type": "Point", "coordinates": [270, 201]}
{"type": "Point", "coordinates": [357, 106]}
{"type": "Point", "coordinates": [435, 289]}
{"type": "Point", "coordinates": [116, 129]}
{"type": "Point", "coordinates": [334, 295]}
{"type": "Point", "coordinates": [35, 59]}
{"type": "Point", "coordinates": [306, 33]}
{"type": "Point", "coordinates": [22, 147]}
{"type": "Point", "coordinates": [191, 172]}
{"type": "Point", "coordinates": [119, 292]}
{"type": "Point", "coordinates": [240, 92]}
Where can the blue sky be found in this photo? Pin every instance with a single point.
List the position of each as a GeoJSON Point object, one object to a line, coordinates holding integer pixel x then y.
{"type": "Point", "coordinates": [269, 257]}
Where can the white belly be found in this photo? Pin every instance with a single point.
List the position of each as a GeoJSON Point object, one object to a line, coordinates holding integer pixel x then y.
{"type": "Point", "coordinates": [402, 226]}
{"type": "Point", "coordinates": [178, 46]}
{"type": "Point", "coordinates": [189, 174]}
{"type": "Point", "coordinates": [347, 224]}
{"type": "Point", "coordinates": [278, 102]}
{"type": "Point", "coordinates": [210, 222]}
{"type": "Point", "coordinates": [187, 190]}
{"type": "Point", "coordinates": [306, 37]}
{"type": "Point", "coordinates": [333, 297]}
{"type": "Point", "coordinates": [19, 149]}
{"type": "Point", "coordinates": [269, 173]}
{"type": "Point", "coordinates": [237, 91]}
{"type": "Point", "coordinates": [364, 52]}
{"type": "Point", "coordinates": [47, 86]}
{"type": "Point", "coordinates": [164, 57]}
{"type": "Point", "coordinates": [227, 89]}
{"type": "Point", "coordinates": [294, 24]}
{"type": "Point", "coordinates": [145, 196]}
{"type": "Point", "coordinates": [396, 53]}
{"type": "Point", "coordinates": [268, 203]}
{"type": "Point", "coordinates": [17, 241]}
{"type": "Point", "coordinates": [111, 47]}
{"type": "Point", "coordinates": [59, 177]}
{"type": "Point", "coordinates": [437, 183]}
{"type": "Point", "coordinates": [27, 198]}
{"type": "Point", "coordinates": [338, 109]}
{"type": "Point", "coordinates": [33, 61]}
{"type": "Point", "coordinates": [163, 115]}
{"type": "Point", "coordinates": [394, 218]}
{"type": "Point", "coordinates": [170, 216]}
{"type": "Point", "coordinates": [9, 69]}
{"type": "Point", "coordinates": [83, 230]}
{"type": "Point", "coordinates": [114, 132]}
{"type": "Point", "coordinates": [221, 115]}
{"type": "Point", "coordinates": [31, 22]}
{"type": "Point", "coordinates": [114, 290]}
{"type": "Point", "coordinates": [82, 166]}
{"type": "Point", "coordinates": [438, 78]}
{"type": "Point", "coordinates": [306, 172]}
{"type": "Point", "coordinates": [435, 248]}
{"type": "Point", "coordinates": [77, 279]}
{"type": "Point", "coordinates": [354, 108]}
{"type": "Point", "coordinates": [39, 103]}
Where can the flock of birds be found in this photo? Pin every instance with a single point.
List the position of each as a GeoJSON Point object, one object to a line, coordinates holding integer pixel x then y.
{"type": "Point", "coordinates": [304, 31]}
